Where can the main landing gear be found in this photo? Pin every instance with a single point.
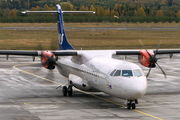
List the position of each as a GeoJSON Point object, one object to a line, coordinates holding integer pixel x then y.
{"type": "Point", "coordinates": [67, 90]}
{"type": "Point", "coordinates": [132, 104]}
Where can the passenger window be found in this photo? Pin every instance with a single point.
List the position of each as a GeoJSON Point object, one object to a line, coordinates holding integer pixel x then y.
{"type": "Point", "coordinates": [127, 73]}
{"type": "Point", "coordinates": [118, 73]}
{"type": "Point", "coordinates": [112, 72]}
{"type": "Point", "coordinates": [137, 73]}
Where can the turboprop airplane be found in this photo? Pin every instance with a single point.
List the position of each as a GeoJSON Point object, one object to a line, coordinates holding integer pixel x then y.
{"type": "Point", "coordinates": [96, 70]}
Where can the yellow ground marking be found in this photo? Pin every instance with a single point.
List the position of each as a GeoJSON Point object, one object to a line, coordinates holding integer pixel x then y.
{"type": "Point", "coordinates": [27, 103]}
{"type": "Point", "coordinates": [82, 91]}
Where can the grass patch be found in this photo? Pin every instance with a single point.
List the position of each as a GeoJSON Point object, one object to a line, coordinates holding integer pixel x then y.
{"type": "Point", "coordinates": [166, 24]}
{"type": "Point", "coordinates": [87, 39]}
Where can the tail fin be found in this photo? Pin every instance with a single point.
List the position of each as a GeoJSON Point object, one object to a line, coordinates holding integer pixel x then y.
{"type": "Point", "coordinates": [63, 42]}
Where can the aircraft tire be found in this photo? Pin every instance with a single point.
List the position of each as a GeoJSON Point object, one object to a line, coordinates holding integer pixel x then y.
{"type": "Point", "coordinates": [129, 106]}
{"type": "Point", "coordinates": [70, 91]}
{"type": "Point", "coordinates": [64, 91]}
{"type": "Point", "coordinates": [133, 106]}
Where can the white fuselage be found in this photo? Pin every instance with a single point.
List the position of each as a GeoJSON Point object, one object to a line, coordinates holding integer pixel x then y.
{"type": "Point", "coordinates": [96, 71]}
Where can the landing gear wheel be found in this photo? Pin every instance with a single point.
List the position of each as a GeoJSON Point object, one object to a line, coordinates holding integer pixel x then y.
{"type": "Point", "coordinates": [64, 91]}
{"type": "Point", "coordinates": [129, 106]}
{"type": "Point", "coordinates": [69, 90]}
{"type": "Point", "coordinates": [133, 106]}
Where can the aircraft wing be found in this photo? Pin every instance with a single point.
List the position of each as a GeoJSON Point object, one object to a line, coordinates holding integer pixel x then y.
{"type": "Point", "coordinates": [137, 52]}
{"type": "Point", "coordinates": [36, 53]}
{"type": "Point", "coordinates": [74, 53]}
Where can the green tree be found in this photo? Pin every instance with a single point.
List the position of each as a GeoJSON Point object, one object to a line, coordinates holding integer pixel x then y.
{"type": "Point", "coordinates": [107, 12]}
{"type": "Point", "coordinates": [135, 13]}
{"type": "Point", "coordinates": [82, 8]}
{"type": "Point", "coordinates": [92, 8]}
{"type": "Point", "coordinates": [116, 7]}
{"type": "Point", "coordinates": [1, 12]}
{"type": "Point", "coordinates": [12, 13]}
{"type": "Point", "coordinates": [122, 12]}
{"type": "Point", "coordinates": [113, 13]}
{"type": "Point", "coordinates": [178, 13]}
{"type": "Point", "coordinates": [100, 11]}
{"type": "Point", "coordinates": [45, 8]}
{"type": "Point", "coordinates": [172, 13]}
{"type": "Point", "coordinates": [6, 12]}
{"type": "Point", "coordinates": [159, 13]}
{"type": "Point", "coordinates": [141, 12]}
{"type": "Point", "coordinates": [67, 6]}
{"type": "Point", "coordinates": [86, 8]}
{"type": "Point", "coordinates": [51, 6]}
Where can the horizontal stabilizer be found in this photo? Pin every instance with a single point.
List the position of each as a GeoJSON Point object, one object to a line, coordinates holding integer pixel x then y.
{"type": "Point", "coordinates": [78, 12]}
{"type": "Point", "coordinates": [64, 12]}
{"type": "Point", "coordinates": [39, 12]}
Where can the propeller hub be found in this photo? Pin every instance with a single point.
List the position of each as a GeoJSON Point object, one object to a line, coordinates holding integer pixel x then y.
{"type": "Point", "coordinates": [51, 60]}
{"type": "Point", "coordinates": [153, 59]}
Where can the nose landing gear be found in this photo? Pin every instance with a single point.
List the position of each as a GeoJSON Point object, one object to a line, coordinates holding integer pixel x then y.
{"type": "Point", "coordinates": [67, 91]}
{"type": "Point", "coordinates": [132, 104]}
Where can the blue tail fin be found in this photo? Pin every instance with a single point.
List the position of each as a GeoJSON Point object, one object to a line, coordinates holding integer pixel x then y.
{"type": "Point", "coordinates": [63, 42]}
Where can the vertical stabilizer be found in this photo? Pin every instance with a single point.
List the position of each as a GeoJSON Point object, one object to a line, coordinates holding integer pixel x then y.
{"type": "Point", "coordinates": [63, 42]}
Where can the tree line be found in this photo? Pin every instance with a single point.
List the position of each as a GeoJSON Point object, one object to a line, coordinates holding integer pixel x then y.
{"type": "Point", "coordinates": [134, 12]}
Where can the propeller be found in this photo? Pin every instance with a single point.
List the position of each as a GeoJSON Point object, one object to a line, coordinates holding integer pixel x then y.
{"type": "Point", "coordinates": [153, 59]}
{"type": "Point", "coordinates": [51, 60]}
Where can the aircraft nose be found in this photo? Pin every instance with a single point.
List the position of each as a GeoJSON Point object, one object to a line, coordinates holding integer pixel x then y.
{"type": "Point", "coordinates": [138, 90]}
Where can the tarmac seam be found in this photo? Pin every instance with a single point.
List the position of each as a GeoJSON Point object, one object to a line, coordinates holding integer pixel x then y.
{"type": "Point", "coordinates": [15, 66]}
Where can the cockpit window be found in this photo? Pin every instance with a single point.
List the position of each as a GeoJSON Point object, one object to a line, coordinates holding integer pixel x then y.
{"type": "Point", "coordinates": [112, 72]}
{"type": "Point", "coordinates": [117, 73]}
{"type": "Point", "coordinates": [137, 73]}
{"type": "Point", "coordinates": [127, 73]}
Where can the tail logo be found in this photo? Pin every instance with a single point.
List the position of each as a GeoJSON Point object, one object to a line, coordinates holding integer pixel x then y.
{"type": "Point", "coordinates": [61, 38]}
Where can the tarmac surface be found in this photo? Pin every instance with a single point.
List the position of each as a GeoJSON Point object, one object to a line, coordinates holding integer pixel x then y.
{"type": "Point", "coordinates": [28, 92]}
{"type": "Point", "coordinates": [97, 28]}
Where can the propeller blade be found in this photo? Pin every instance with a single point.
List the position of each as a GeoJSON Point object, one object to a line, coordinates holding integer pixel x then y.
{"type": "Point", "coordinates": [148, 71]}
{"type": "Point", "coordinates": [162, 70]}
{"type": "Point", "coordinates": [161, 58]}
{"type": "Point", "coordinates": [144, 47]}
{"type": "Point", "coordinates": [158, 47]}
{"type": "Point", "coordinates": [140, 41]}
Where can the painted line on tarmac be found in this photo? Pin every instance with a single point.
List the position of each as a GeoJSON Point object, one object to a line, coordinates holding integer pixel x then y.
{"type": "Point", "coordinates": [15, 66]}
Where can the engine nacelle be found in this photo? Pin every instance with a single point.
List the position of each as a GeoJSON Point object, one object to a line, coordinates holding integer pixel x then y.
{"type": "Point", "coordinates": [144, 58]}
{"type": "Point", "coordinates": [81, 84]}
{"type": "Point", "coordinates": [48, 59]}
